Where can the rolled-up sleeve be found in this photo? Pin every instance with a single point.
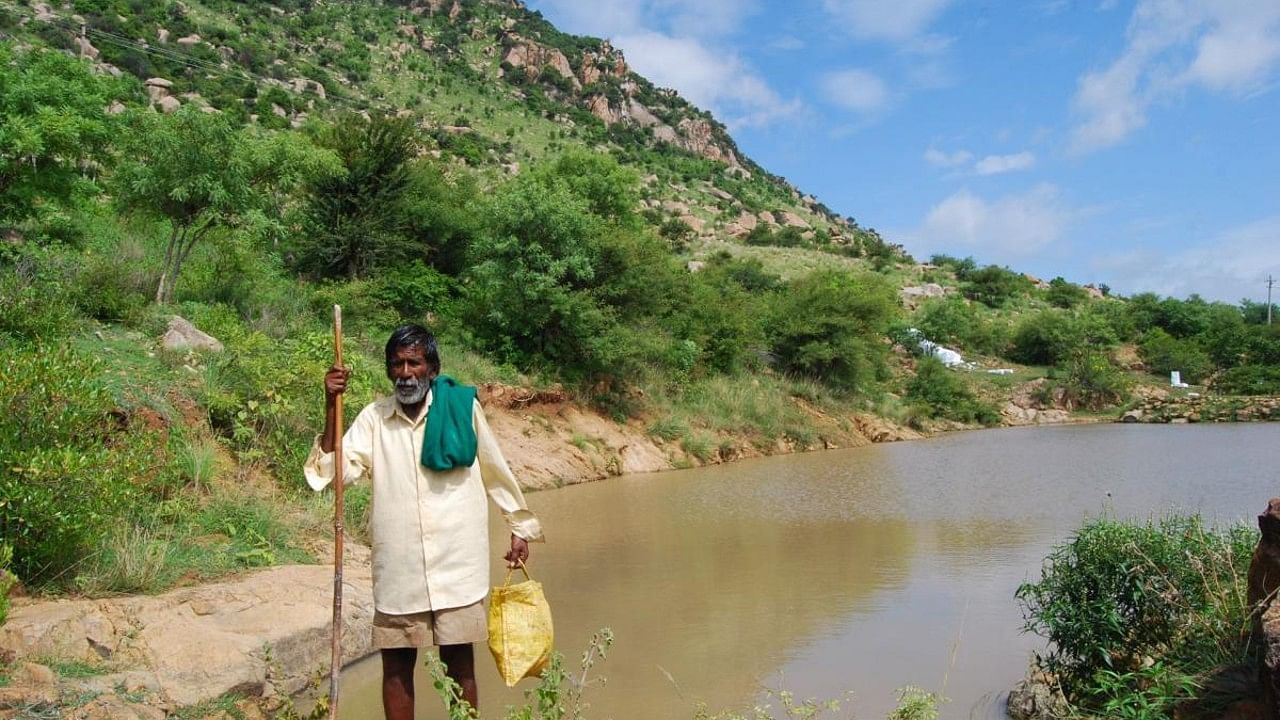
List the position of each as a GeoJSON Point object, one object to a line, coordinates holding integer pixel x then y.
{"type": "Point", "coordinates": [500, 482]}
{"type": "Point", "coordinates": [357, 451]}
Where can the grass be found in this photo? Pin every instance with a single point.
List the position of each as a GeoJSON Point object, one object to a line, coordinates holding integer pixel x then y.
{"type": "Point", "coordinates": [73, 669]}
{"type": "Point", "coordinates": [196, 539]}
{"type": "Point", "coordinates": [759, 406]}
{"type": "Point", "coordinates": [221, 706]}
{"type": "Point", "coordinates": [199, 463]}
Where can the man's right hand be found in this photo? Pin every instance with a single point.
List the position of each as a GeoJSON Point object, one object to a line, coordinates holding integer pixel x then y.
{"type": "Point", "coordinates": [335, 381]}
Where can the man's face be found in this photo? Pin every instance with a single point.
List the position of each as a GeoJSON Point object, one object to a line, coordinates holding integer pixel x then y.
{"type": "Point", "coordinates": [411, 373]}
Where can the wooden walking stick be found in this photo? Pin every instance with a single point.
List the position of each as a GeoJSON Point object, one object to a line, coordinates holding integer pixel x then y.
{"type": "Point", "coordinates": [336, 668]}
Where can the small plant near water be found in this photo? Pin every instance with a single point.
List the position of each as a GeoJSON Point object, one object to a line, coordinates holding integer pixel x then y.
{"type": "Point", "coordinates": [1137, 614]}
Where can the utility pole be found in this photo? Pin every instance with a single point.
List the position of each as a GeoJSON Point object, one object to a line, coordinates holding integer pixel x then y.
{"type": "Point", "coordinates": [1270, 281]}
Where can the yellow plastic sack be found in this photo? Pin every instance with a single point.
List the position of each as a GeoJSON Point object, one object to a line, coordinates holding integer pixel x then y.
{"type": "Point", "coordinates": [520, 633]}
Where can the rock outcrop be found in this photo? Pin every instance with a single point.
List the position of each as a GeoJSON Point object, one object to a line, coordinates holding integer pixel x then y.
{"type": "Point", "coordinates": [532, 58]}
{"type": "Point", "coordinates": [264, 633]}
{"type": "Point", "coordinates": [1264, 581]}
{"type": "Point", "coordinates": [1195, 408]}
{"type": "Point", "coordinates": [916, 294]}
{"type": "Point", "coordinates": [182, 335]}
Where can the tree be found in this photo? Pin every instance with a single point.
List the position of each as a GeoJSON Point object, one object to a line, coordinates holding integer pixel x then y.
{"type": "Point", "coordinates": [52, 122]}
{"type": "Point", "coordinates": [562, 272]}
{"type": "Point", "coordinates": [831, 324]}
{"type": "Point", "coordinates": [198, 172]}
{"type": "Point", "coordinates": [994, 286]}
{"type": "Point", "coordinates": [355, 221]}
{"type": "Point", "coordinates": [1065, 294]}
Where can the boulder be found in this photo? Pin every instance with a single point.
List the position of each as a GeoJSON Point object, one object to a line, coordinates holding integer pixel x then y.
{"type": "Point", "coordinates": [914, 294]}
{"type": "Point", "coordinates": [1037, 697]}
{"type": "Point", "coordinates": [87, 50]}
{"type": "Point", "coordinates": [182, 335]}
{"type": "Point", "coordinates": [695, 222]}
{"type": "Point", "coordinates": [790, 219]}
{"type": "Point", "coordinates": [189, 41]}
{"type": "Point", "coordinates": [1132, 416]}
{"type": "Point", "coordinates": [599, 106]}
{"type": "Point", "coordinates": [168, 104]}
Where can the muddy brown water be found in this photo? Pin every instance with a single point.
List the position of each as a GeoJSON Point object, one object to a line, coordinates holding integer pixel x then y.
{"type": "Point", "coordinates": [845, 574]}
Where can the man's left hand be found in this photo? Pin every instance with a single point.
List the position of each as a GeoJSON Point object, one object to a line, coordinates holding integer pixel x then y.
{"type": "Point", "coordinates": [519, 553]}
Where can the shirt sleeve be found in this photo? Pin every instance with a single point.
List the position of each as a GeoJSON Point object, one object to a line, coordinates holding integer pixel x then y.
{"type": "Point", "coordinates": [500, 482]}
{"type": "Point", "coordinates": [357, 453]}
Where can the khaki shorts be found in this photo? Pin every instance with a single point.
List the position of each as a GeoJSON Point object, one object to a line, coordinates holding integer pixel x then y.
{"type": "Point", "coordinates": [448, 626]}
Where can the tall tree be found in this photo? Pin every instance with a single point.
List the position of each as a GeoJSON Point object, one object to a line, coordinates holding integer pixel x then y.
{"type": "Point", "coordinates": [52, 121]}
{"type": "Point", "coordinates": [357, 220]}
{"type": "Point", "coordinates": [201, 173]}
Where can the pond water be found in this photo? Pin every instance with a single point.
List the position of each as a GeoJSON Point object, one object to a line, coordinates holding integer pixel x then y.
{"type": "Point", "coordinates": [845, 574]}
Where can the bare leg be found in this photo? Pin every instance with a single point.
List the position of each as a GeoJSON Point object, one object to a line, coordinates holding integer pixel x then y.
{"type": "Point", "coordinates": [397, 682]}
{"type": "Point", "coordinates": [460, 664]}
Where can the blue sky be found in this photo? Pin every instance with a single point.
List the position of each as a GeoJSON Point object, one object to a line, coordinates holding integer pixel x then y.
{"type": "Point", "coordinates": [1135, 143]}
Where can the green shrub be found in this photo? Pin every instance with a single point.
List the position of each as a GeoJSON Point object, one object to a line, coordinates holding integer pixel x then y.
{"type": "Point", "coordinates": [1065, 294]}
{"type": "Point", "coordinates": [7, 580]}
{"type": "Point", "coordinates": [1249, 380]}
{"type": "Point", "coordinates": [73, 463]}
{"type": "Point", "coordinates": [1164, 353]}
{"type": "Point", "coordinates": [953, 322]}
{"type": "Point", "coordinates": [34, 302]}
{"type": "Point", "coordinates": [1050, 336]}
{"type": "Point", "coordinates": [114, 286]}
{"type": "Point", "coordinates": [1092, 381]}
{"type": "Point", "coordinates": [994, 286]}
{"type": "Point", "coordinates": [941, 393]}
{"type": "Point", "coordinates": [1120, 591]}
{"type": "Point", "coordinates": [830, 325]}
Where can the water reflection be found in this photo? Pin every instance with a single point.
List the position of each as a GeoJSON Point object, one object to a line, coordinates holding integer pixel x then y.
{"type": "Point", "coordinates": [859, 570]}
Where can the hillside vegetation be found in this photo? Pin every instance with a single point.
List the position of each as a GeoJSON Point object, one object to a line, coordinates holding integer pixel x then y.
{"type": "Point", "coordinates": [553, 216]}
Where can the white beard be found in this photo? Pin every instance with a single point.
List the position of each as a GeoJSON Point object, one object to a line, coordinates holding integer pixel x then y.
{"type": "Point", "coordinates": [411, 392]}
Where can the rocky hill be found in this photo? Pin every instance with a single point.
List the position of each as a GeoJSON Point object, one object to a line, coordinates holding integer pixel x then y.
{"type": "Point", "coordinates": [492, 83]}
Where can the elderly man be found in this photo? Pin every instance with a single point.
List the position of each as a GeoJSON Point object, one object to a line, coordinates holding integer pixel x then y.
{"type": "Point", "coordinates": [429, 520]}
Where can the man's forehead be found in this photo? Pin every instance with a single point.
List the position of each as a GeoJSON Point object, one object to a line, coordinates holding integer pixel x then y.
{"type": "Point", "coordinates": [411, 352]}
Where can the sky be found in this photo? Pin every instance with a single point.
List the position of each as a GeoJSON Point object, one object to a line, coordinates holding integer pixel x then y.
{"type": "Point", "coordinates": [1135, 144]}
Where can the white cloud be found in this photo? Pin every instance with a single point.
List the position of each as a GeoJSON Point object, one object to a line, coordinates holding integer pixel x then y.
{"type": "Point", "coordinates": [858, 90]}
{"type": "Point", "coordinates": [699, 17]}
{"type": "Point", "coordinates": [607, 18]}
{"type": "Point", "coordinates": [1004, 230]}
{"type": "Point", "coordinates": [895, 21]}
{"type": "Point", "coordinates": [713, 79]}
{"type": "Point", "coordinates": [939, 158]}
{"type": "Point", "coordinates": [673, 43]}
{"type": "Point", "coordinates": [994, 164]}
{"type": "Point", "coordinates": [1228, 266]}
{"type": "Point", "coordinates": [602, 18]}
{"type": "Point", "coordinates": [1224, 46]}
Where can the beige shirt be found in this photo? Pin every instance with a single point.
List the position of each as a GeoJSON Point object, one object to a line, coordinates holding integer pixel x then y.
{"type": "Point", "coordinates": [430, 529]}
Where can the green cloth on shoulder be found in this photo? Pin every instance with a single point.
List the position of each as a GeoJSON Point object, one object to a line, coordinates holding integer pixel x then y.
{"type": "Point", "coordinates": [449, 440]}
